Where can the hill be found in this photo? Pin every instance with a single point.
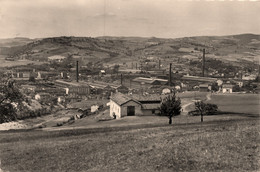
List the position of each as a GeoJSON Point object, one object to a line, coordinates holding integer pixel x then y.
{"type": "Point", "coordinates": [234, 48]}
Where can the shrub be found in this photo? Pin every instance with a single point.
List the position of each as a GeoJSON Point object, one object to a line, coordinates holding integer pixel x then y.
{"type": "Point", "coordinates": [204, 109]}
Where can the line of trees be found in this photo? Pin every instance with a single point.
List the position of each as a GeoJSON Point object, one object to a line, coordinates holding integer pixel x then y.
{"type": "Point", "coordinates": [171, 106]}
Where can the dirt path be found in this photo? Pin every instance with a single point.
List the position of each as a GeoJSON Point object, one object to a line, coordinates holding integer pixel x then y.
{"type": "Point", "coordinates": [208, 96]}
{"type": "Point", "coordinates": [185, 106]}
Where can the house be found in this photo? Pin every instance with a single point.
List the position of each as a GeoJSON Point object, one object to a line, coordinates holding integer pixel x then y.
{"type": "Point", "coordinates": [149, 81]}
{"type": "Point", "coordinates": [204, 87]}
{"type": "Point", "coordinates": [133, 105]}
{"type": "Point", "coordinates": [240, 83]}
{"type": "Point", "coordinates": [108, 90]}
{"type": "Point", "coordinates": [227, 88]}
{"type": "Point", "coordinates": [219, 82]}
{"type": "Point", "coordinates": [91, 105]}
{"type": "Point", "coordinates": [102, 72]}
{"type": "Point", "coordinates": [129, 70]}
{"type": "Point", "coordinates": [28, 88]}
{"type": "Point", "coordinates": [177, 87]}
{"type": "Point", "coordinates": [42, 96]}
{"type": "Point", "coordinates": [61, 99]}
{"type": "Point", "coordinates": [76, 90]}
{"type": "Point", "coordinates": [166, 91]}
{"type": "Point", "coordinates": [56, 58]}
{"type": "Point", "coordinates": [249, 77]}
{"type": "Point", "coordinates": [199, 79]}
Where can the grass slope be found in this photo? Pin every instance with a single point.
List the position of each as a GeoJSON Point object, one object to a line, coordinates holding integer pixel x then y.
{"type": "Point", "coordinates": [237, 103]}
{"type": "Point", "coordinates": [228, 146]}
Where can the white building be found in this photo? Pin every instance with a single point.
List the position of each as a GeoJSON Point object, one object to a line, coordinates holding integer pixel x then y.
{"type": "Point", "coordinates": [227, 88]}
{"type": "Point", "coordinates": [56, 58]}
{"type": "Point", "coordinates": [131, 105]}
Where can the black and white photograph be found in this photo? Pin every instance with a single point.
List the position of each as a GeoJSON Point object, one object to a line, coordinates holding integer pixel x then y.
{"type": "Point", "coordinates": [129, 85]}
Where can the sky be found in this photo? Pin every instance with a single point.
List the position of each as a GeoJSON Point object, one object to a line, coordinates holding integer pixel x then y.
{"type": "Point", "coordinates": [143, 18]}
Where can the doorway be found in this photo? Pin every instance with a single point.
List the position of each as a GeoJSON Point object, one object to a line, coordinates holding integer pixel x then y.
{"type": "Point", "coordinates": [130, 110]}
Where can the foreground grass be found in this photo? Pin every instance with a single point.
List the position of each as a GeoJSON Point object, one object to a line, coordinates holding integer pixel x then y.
{"type": "Point", "coordinates": [224, 145]}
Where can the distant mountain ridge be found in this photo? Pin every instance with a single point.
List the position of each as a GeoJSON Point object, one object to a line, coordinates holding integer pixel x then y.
{"type": "Point", "coordinates": [115, 48]}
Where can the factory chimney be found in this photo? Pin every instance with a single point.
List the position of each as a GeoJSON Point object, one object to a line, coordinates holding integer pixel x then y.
{"type": "Point", "coordinates": [203, 63]}
{"type": "Point", "coordinates": [121, 79]}
{"type": "Point", "coordinates": [159, 64]}
{"type": "Point", "coordinates": [170, 75]}
{"type": "Point", "coordinates": [77, 71]}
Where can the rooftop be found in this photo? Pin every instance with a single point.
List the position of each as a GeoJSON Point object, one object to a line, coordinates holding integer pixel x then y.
{"type": "Point", "coordinates": [151, 106]}
{"type": "Point", "coordinates": [198, 78]}
{"type": "Point", "coordinates": [73, 83]}
{"type": "Point", "coordinates": [56, 57]}
{"type": "Point", "coordinates": [149, 97]}
{"type": "Point", "coordinates": [121, 98]}
{"type": "Point", "coordinates": [204, 85]}
{"type": "Point", "coordinates": [227, 86]}
{"type": "Point", "coordinates": [149, 80]}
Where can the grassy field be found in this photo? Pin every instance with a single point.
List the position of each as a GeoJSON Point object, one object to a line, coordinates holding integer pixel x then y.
{"type": "Point", "coordinates": [5, 63]}
{"type": "Point", "coordinates": [237, 103]}
{"type": "Point", "coordinates": [229, 145]}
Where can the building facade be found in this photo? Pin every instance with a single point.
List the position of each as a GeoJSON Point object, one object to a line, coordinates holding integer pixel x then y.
{"type": "Point", "coordinates": [129, 105]}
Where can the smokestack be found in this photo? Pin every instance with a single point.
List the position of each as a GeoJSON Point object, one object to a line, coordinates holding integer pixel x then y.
{"type": "Point", "coordinates": [203, 63]}
{"type": "Point", "coordinates": [159, 64]}
{"type": "Point", "coordinates": [136, 66]}
{"type": "Point", "coordinates": [121, 79]}
{"type": "Point", "coordinates": [170, 75]}
{"type": "Point", "coordinates": [77, 71]}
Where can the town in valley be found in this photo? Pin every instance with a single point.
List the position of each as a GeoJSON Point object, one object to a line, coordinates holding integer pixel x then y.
{"type": "Point", "coordinates": [128, 103]}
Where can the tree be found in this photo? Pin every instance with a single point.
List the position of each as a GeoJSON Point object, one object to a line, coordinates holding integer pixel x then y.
{"type": "Point", "coordinates": [236, 88]}
{"type": "Point", "coordinates": [32, 79]}
{"type": "Point", "coordinates": [10, 99]}
{"type": "Point", "coordinates": [205, 109]}
{"type": "Point", "coordinates": [171, 106]}
{"type": "Point", "coordinates": [116, 69]}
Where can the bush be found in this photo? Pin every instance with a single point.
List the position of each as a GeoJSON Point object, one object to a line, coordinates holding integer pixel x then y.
{"type": "Point", "coordinates": [204, 109]}
{"type": "Point", "coordinates": [7, 113]}
{"type": "Point", "coordinates": [59, 124]}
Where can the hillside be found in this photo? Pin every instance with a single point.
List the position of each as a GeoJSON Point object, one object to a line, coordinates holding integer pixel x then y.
{"type": "Point", "coordinates": [234, 48]}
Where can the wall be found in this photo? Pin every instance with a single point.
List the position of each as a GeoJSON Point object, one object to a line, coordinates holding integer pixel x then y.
{"type": "Point", "coordinates": [227, 90]}
{"type": "Point", "coordinates": [94, 108]}
{"type": "Point", "coordinates": [121, 111]}
{"type": "Point", "coordinates": [138, 110]}
{"type": "Point", "coordinates": [148, 112]}
{"type": "Point", "coordinates": [115, 108]}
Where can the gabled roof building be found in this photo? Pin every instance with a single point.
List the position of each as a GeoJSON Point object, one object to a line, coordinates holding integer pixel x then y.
{"type": "Point", "coordinates": [130, 105]}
